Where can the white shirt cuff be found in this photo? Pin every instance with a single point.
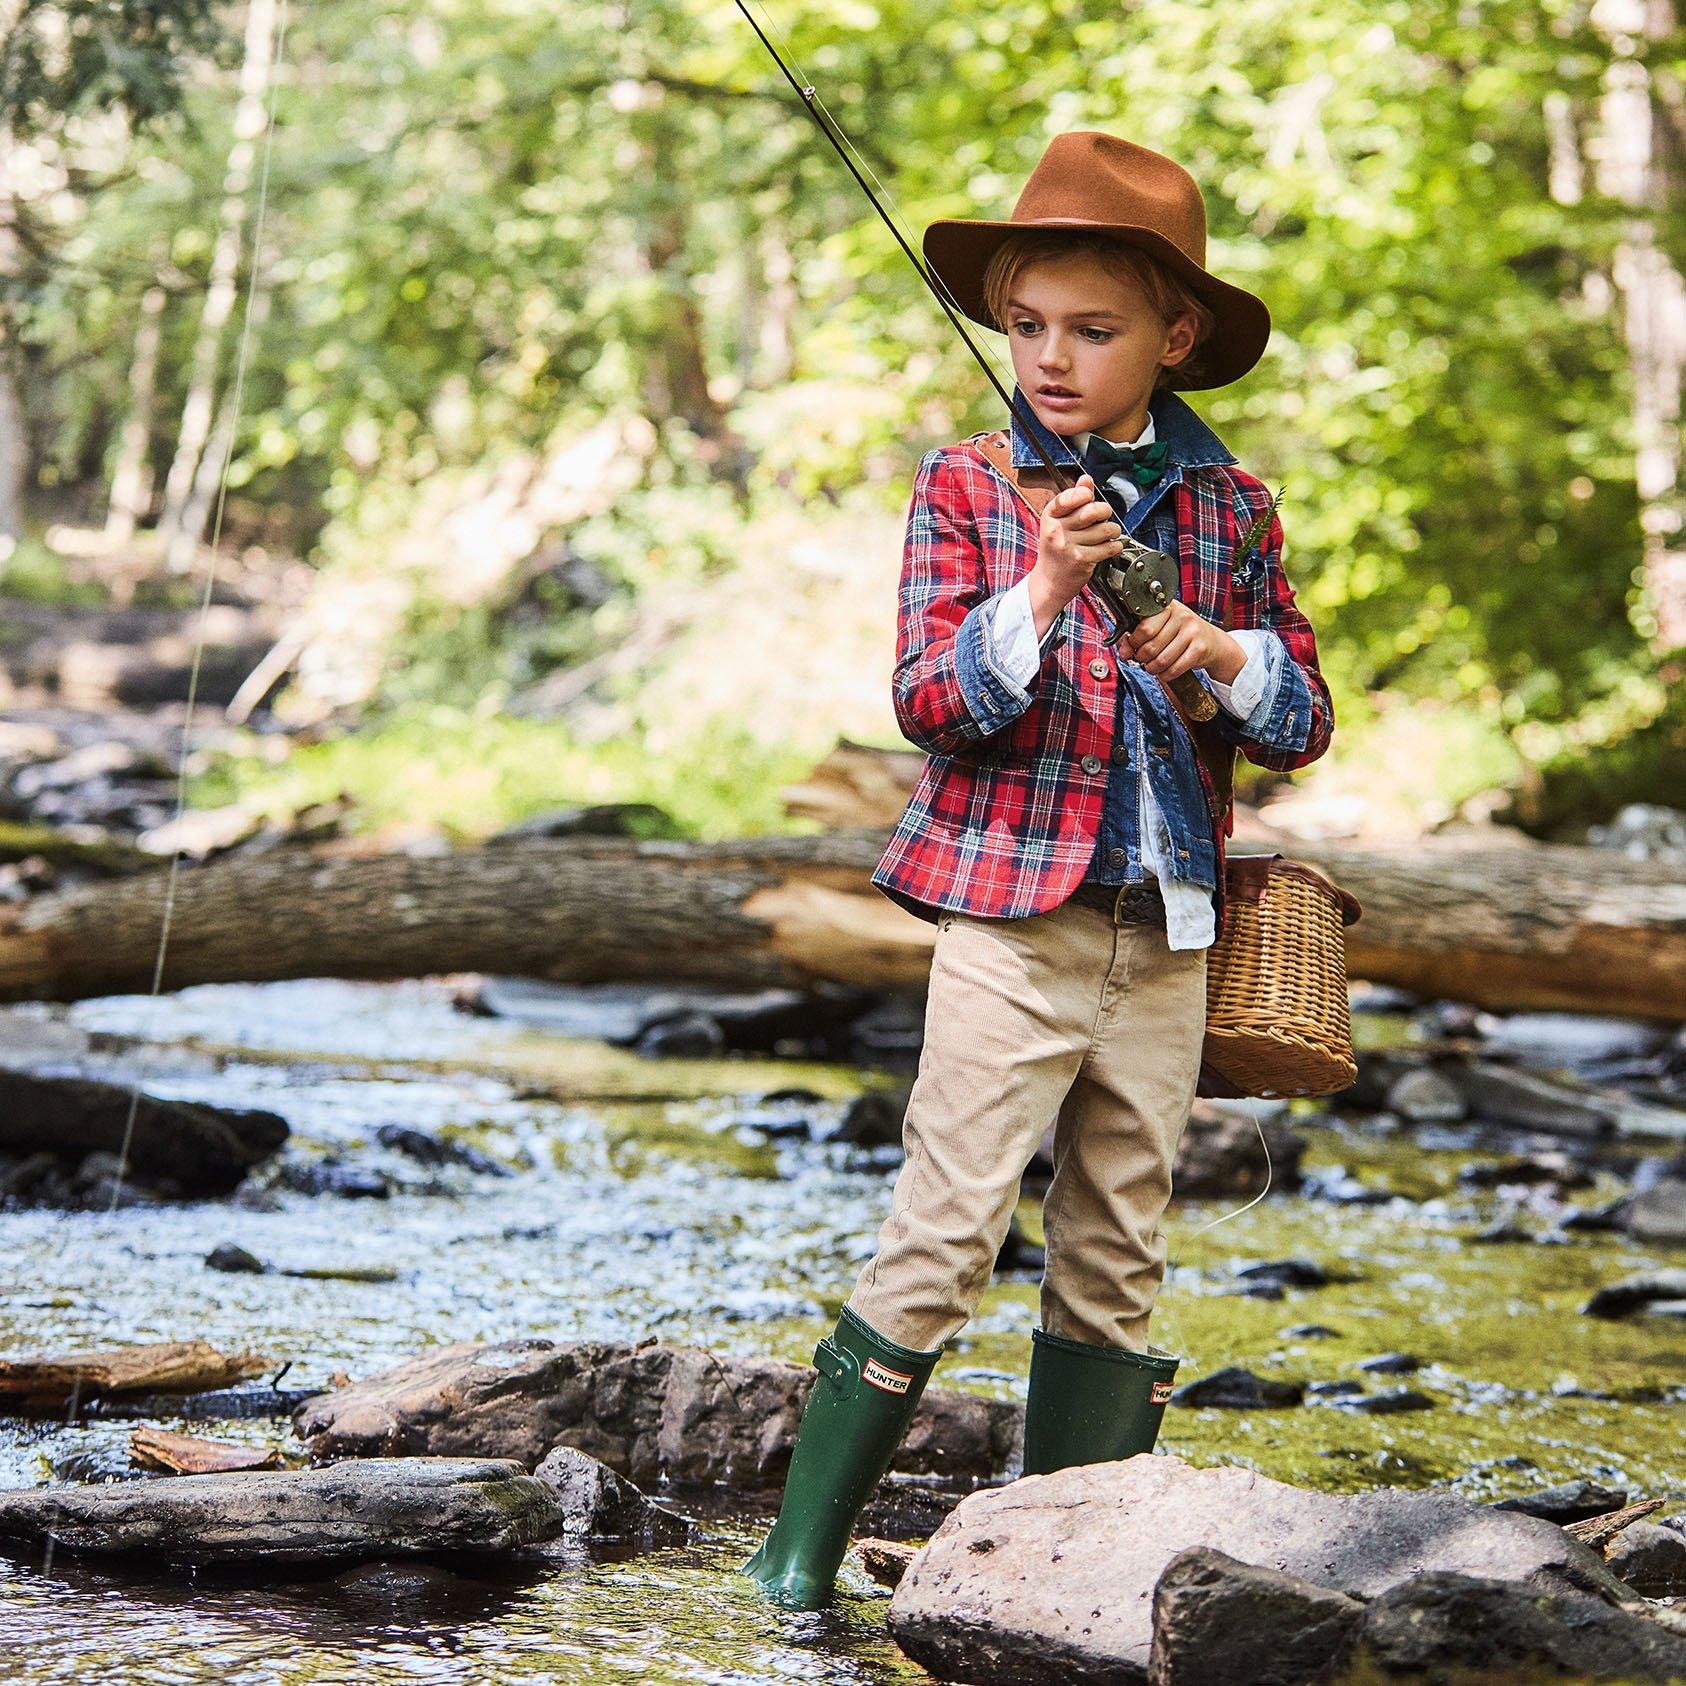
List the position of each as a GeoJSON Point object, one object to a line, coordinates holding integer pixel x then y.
{"type": "Point", "coordinates": [1241, 695]}
{"type": "Point", "coordinates": [1012, 625]}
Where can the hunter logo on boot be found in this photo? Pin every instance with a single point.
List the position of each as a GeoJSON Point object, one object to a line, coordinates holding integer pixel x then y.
{"type": "Point", "coordinates": [1161, 1393]}
{"type": "Point", "coordinates": [892, 1381]}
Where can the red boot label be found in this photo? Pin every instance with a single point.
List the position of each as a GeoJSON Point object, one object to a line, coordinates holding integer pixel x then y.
{"type": "Point", "coordinates": [891, 1381]}
{"type": "Point", "coordinates": [1161, 1393]}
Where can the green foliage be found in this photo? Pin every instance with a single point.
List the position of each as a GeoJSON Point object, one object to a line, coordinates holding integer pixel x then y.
{"type": "Point", "coordinates": [470, 773]}
{"type": "Point", "coordinates": [490, 220]}
{"type": "Point", "coordinates": [65, 57]}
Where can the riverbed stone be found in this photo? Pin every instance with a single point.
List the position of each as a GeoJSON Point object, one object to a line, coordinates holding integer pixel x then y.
{"type": "Point", "coordinates": [1051, 1578]}
{"type": "Point", "coordinates": [376, 1507]}
{"type": "Point", "coordinates": [650, 1411]}
{"type": "Point", "coordinates": [193, 1147]}
{"type": "Point", "coordinates": [1637, 1293]}
{"type": "Point", "coordinates": [1657, 1215]}
{"type": "Point", "coordinates": [598, 1504]}
{"type": "Point", "coordinates": [1445, 1626]}
{"type": "Point", "coordinates": [1651, 1559]}
{"type": "Point", "coordinates": [1220, 1622]}
{"type": "Point", "coordinates": [1568, 1501]}
{"type": "Point", "coordinates": [1220, 1157]}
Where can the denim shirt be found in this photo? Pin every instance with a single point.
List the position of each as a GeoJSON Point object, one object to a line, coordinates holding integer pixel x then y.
{"type": "Point", "coordinates": [1147, 727]}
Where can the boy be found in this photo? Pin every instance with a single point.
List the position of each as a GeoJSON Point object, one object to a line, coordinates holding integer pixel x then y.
{"type": "Point", "coordinates": [1066, 835]}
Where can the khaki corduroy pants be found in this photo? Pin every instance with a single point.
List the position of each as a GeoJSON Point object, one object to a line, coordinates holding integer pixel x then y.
{"type": "Point", "coordinates": [1064, 1018]}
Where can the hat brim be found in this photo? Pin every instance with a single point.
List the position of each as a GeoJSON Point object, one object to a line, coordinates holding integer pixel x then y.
{"type": "Point", "coordinates": [957, 252]}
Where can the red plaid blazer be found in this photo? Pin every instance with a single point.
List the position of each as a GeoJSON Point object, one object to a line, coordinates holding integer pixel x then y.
{"type": "Point", "coordinates": [1002, 825]}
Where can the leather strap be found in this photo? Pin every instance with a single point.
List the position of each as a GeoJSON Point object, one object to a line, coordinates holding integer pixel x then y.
{"type": "Point", "coordinates": [1036, 486]}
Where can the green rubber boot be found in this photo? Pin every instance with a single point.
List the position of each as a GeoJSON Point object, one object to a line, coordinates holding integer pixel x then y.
{"type": "Point", "coordinates": [1092, 1404]}
{"type": "Point", "coordinates": [862, 1402]}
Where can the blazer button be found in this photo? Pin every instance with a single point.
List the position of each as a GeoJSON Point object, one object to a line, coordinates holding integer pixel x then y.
{"type": "Point", "coordinates": [1091, 763]}
{"type": "Point", "coordinates": [1099, 668]}
{"type": "Point", "coordinates": [1119, 754]}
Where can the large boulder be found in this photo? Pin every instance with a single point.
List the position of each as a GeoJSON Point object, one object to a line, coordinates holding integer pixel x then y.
{"type": "Point", "coordinates": [379, 1507]}
{"type": "Point", "coordinates": [651, 1412]}
{"type": "Point", "coordinates": [1052, 1578]}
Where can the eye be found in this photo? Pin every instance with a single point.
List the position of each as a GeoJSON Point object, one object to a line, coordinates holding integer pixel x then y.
{"type": "Point", "coordinates": [1023, 322]}
{"type": "Point", "coordinates": [1105, 334]}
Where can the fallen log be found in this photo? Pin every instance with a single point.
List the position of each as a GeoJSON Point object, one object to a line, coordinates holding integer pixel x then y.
{"type": "Point", "coordinates": [37, 1384]}
{"type": "Point", "coordinates": [1504, 926]}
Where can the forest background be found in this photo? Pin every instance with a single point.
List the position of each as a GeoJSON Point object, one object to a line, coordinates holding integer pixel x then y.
{"type": "Point", "coordinates": [582, 387]}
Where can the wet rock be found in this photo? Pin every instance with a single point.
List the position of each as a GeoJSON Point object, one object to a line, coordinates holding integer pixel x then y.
{"type": "Point", "coordinates": [334, 1176]}
{"type": "Point", "coordinates": [1287, 1273]}
{"type": "Point", "coordinates": [1595, 1219]}
{"type": "Point", "coordinates": [378, 1507]}
{"type": "Point", "coordinates": [1051, 1578]}
{"type": "Point", "coordinates": [1238, 1389]}
{"type": "Point", "coordinates": [1528, 1170]}
{"type": "Point", "coordinates": [1571, 1040]}
{"type": "Point", "coordinates": [1502, 1231]}
{"type": "Point", "coordinates": [234, 1260]}
{"type": "Point", "coordinates": [1503, 1095]}
{"type": "Point", "coordinates": [1389, 1403]}
{"type": "Point", "coordinates": [1641, 1292]}
{"type": "Point", "coordinates": [874, 1119]}
{"type": "Point", "coordinates": [1444, 1626]}
{"type": "Point", "coordinates": [598, 1504]}
{"type": "Point", "coordinates": [685, 1036]}
{"type": "Point", "coordinates": [1569, 1501]}
{"type": "Point", "coordinates": [1651, 1559]}
{"type": "Point", "coordinates": [1657, 1215]}
{"type": "Point", "coordinates": [1311, 1332]}
{"type": "Point", "coordinates": [437, 1150]}
{"type": "Point", "coordinates": [1220, 1156]}
{"type": "Point", "coordinates": [96, 1463]}
{"type": "Point", "coordinates": [1391, 1364]}
{"type": "Point", "coordinates": [674, 1018]}
{"type": "Point", "coordinates": [1425, 1096]}
{"type": "Point", "coordinates": [186, 1454]}
{"type": "Point", "coordinates": [885, 1561]}
{"type": "Point", "coordinates": [1340, 1187]}
{"type": "Point", "coordinates": [1334, 1390]}
{"type": "Point", "coordinates": [651, 1412]}
{"type": "Point", "coordinates": [889, 1033]}
{"type": "Point", "coordinates": [1220, 1622]}
{"type": "Point", "coordinates": [197, 1148]}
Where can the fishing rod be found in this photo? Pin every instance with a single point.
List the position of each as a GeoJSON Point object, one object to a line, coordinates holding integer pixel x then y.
{"type": "Point", "coordinates": [1140, 581]}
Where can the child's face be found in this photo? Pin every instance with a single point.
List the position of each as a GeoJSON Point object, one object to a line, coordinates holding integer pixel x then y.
{"type": "Point", "coordinates": [1075, 324]}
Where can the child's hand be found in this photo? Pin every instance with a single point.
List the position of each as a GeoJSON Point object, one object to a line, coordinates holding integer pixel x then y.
{"type": "Point", "coordinates": [1176, 640]}
{"type": "Point", "coordinates": [1078, 531]}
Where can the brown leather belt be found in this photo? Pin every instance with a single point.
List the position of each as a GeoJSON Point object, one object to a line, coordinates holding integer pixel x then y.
{"type": "Point", "coordinates": [1126, 904]}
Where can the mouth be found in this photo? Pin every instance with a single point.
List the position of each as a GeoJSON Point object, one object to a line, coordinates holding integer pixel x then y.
{"type": "Point", "coordinates": [1056, 392]}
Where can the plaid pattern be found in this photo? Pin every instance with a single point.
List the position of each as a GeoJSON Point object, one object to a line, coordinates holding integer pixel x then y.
{"type": "Point", "coordinates": [1002, 822]}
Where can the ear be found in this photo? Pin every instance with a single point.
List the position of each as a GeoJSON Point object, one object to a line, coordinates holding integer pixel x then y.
{"type": "Point", "coordinates": [1180, 334]}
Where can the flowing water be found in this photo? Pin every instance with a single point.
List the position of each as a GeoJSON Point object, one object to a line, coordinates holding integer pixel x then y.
{"type": "Point", "coordinates": [644, 1200]}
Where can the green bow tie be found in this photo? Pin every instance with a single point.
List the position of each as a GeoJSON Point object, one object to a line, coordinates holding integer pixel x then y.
{"type": "Point", "coordinates": [1143, 464]}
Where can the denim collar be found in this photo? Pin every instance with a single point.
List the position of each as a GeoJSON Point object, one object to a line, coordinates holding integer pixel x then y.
{"type": "Point", "coordinates": [1192, 442]}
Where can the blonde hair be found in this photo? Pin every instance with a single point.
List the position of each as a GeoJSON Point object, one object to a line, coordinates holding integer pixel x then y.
{"type": "Point", "coordinates": [1166, 291]}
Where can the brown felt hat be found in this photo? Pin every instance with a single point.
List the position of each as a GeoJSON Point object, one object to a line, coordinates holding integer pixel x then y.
{"type": "Point", "coordinates": [1103, 185]}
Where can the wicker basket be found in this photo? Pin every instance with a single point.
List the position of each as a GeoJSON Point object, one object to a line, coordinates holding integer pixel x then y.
{"type": "Point", "coordinates": [1276, 1002]}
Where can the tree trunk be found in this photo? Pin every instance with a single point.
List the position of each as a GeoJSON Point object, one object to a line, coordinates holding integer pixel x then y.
{"type": "Point", "coordinates": [14, 447]}
{"type": "Point", "coordinates": [1525, 926]}
{"type": "Point", "coordinates": [131, 474]}
{"type": "Point", "coordinates": [250, 119]}
{"type": "Point", "coordinates": [1639, 164]}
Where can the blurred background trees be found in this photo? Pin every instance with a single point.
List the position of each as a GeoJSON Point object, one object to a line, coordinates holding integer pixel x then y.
{"type": "Point", "coordinates": [588, 387]}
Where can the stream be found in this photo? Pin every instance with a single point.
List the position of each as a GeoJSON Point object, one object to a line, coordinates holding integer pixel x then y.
{"type": "Point", "coordinates": [650, 1197]}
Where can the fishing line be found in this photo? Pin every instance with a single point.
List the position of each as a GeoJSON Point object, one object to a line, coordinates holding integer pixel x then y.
{"type": "Point", "coordinates": [1166, 1303]}
{"type": "Point", "coordinates": [201, 626]}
